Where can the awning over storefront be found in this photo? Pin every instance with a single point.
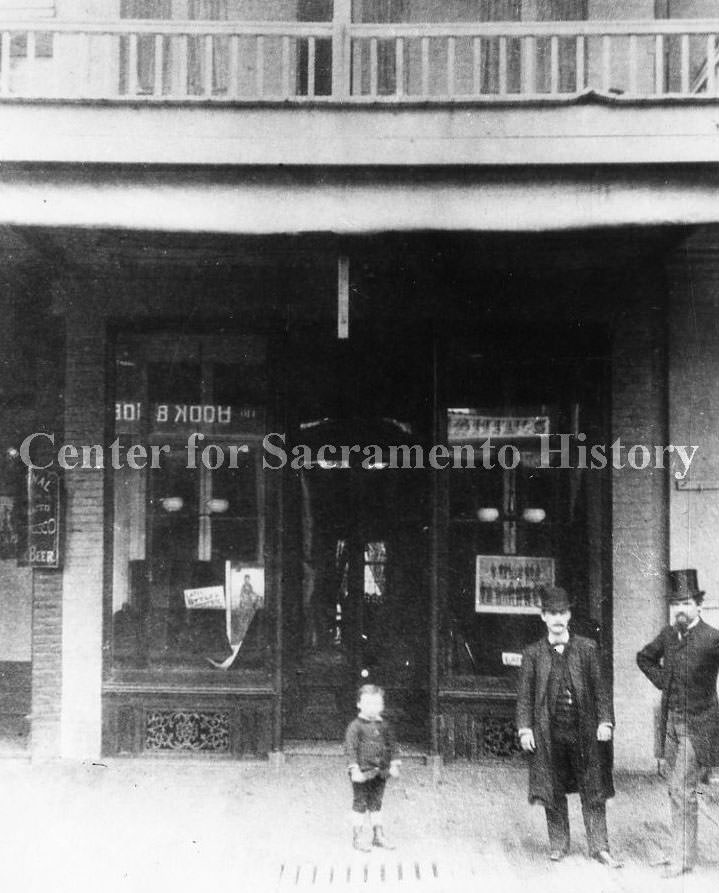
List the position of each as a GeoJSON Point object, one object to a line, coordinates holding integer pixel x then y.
{"type": "Point", "coordinates": [274, 201]}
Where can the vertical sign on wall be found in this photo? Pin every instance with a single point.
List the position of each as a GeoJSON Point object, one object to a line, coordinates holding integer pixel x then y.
{"type": "Point", "coordinates": [8, 528]}
{"type": "Point", "coordinates": [43, 512]}
{"type": "Point", "coordinates": [343, 297]}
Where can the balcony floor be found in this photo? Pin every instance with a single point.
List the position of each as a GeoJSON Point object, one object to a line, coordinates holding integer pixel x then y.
{"type": "Point", "coordinates": [588, 130]}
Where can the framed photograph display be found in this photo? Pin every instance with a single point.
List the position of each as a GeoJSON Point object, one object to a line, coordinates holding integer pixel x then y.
{"type": "Point", "coordinates": [510, 584]}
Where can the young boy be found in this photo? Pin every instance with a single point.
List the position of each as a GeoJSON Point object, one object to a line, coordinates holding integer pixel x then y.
{"type": "Point", "coordinates": [370, 746]}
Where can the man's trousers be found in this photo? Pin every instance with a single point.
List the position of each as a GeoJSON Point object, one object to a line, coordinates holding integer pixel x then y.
{"type": "Point", "coordinates": [683, 775]}
{"type": "Point", "coordinates": [568, 774]}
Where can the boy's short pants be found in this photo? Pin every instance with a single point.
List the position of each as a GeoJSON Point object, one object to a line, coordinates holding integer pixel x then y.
{"type": "Point", "coordinates": [367, 795]}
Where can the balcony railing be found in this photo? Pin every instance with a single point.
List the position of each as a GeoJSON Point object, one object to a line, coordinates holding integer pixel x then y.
{"type": "Point", "coordinates": [151, 61]}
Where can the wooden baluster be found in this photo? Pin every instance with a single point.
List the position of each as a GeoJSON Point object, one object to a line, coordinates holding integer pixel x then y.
{"type": "Point", "coordinates": [659, 64]}
{"type": "Point", "coordinates": [606, 63]}
{"type": "Point", "coordinates": [451, 62]}
{"type": "Point", "coordinates": [529, 65]}
{"type": "Point", "coordinates": [357, 66]}
{"type": "Point", "coordinates": [503, 66]}
{"type": "Point", "coordinates": [285, 66]}
{"type": "Point", "coordinates": [182, 54]}
{"type": "Point", "coordinates": [399, 66]}
{"type": "Point", "coordinates": [342, 49]}
{"type": "Point", "coordinates": [32, 65]}
{"type": "Point", "coordinates": [425, 66]}
{"type": "Point", "coordinates": [208, 65]}
{"type": "Point", "coordinates": [554, 65]}
{"type": "Point", "coordinates": [373, 69]}
{"type": "Point", "coordinates": [685, 64]}
{"type": "Point", "coordinates": [159, 65]}
{"type": "Point", "coordinates": [234, 67]}
{"type": "Point", "coordinates": [5, 70]}
{"type": "Point", "coordinates": [477, 66]}
{"type": "Point", "coordinates": [311, 62]}
{"type": "Point", "coordinates": [132, 66]}
{"type": "Point", "coordinates": [260, 66]}
{"type": "Point", "coordinates": [711, 65]}
{"type": "Point", "coordinates": [633, 80]}
{"type": "Point", "coordinates": [581, 63]}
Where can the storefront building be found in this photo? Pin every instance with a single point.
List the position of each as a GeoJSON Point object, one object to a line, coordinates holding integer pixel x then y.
{"type": "Point", "coordinates": [265, 285]}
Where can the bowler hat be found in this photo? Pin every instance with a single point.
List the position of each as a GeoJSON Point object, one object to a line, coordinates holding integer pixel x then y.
{"type": "Point", "coordinates": [555, 599]}
{"type": "Point", "coordinates": [683, 584]}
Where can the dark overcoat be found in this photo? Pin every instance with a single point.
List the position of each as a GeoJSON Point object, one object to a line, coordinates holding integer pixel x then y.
{"type": "Point", "coordinates": [594, 706]}
{"type": "Point", "coordinates": [699, 651]}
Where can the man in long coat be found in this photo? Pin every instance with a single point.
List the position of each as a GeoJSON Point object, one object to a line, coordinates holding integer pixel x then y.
{"type": "Point", "coordinates": [683, 661]}
{"type": "Point", "coordinates": [565, 722]}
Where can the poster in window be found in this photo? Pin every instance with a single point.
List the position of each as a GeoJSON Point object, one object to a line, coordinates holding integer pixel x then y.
{"type": "Point", "coordinates": [245, 593]}
{"type": "Point", "coordinates": [511, 584]}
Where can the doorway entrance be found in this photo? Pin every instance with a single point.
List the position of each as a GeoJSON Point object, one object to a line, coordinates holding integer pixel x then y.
{"type": "Point", "coordinates": [359, 614]}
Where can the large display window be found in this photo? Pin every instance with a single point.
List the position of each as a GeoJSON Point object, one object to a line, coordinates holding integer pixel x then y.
{"type": "Point", "coordinates": [189, 521]}
{"type": "Point", "coordinates": [531, 513]}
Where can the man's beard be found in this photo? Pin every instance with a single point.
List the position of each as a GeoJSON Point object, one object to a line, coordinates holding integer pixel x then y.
{"type": "Point", "coordinates": [682, 621]}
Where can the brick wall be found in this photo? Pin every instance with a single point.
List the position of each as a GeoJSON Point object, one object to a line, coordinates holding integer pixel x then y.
{"type": "Point", "coordinates": [31, 344]}
{"type": "Point", "coordinates": [640, 524]}
{"type": "Point", "coordinates": [83, 576]}
{"type": "Point", "coordinates": [16, 386]}
{"type": "Point", "coordinates": [693, 274]}
{"type": "Point", "coordinates": [46, 663]}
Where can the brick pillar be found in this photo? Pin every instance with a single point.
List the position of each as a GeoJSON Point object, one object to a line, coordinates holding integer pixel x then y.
{"type": "Point", "coordinates": [693, 274]}
{"type": "Point", "coordinates": [46, 629]}
{"type": "Point", "coordinates": [639, 515]}
{"type": "Point", "coordinates": [82, 594]}
{"type": "Point", "coordinates": [46, 663]}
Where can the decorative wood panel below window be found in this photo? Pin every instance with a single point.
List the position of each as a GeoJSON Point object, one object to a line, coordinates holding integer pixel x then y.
{"type": "Point", "coordinates": [221, 725]}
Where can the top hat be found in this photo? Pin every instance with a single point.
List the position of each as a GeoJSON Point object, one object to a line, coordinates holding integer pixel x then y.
{"type": "Point", "coordinates": [683, 585]}
{"type": "Point", "coordinates": [555, 599]}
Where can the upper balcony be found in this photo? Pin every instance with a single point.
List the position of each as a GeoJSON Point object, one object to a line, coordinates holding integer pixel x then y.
{"type": "Point", "coordinates": [346, 90]}
{"type": "Point", "coordinates": [339, 107]}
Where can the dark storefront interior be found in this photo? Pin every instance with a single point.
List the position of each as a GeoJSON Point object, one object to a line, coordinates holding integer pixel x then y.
{"type": "Point", "coordinates": [366, 573]}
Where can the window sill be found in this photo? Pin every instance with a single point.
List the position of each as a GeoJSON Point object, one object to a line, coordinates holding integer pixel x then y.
{"type": "Point", "coordinates": [208, 682]}
{"type": "Point", "coordinates": [489, 688]}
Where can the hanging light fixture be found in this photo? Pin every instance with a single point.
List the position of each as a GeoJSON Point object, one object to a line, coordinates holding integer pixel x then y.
{"type": "Point", "coordinates": [534, 515]}
{"type": "Point", "coordinates": [217, 506]}
{"type": "Point", "coordinates": [487, 514]}
{"type": "Point", "coordinates": [172, 503]}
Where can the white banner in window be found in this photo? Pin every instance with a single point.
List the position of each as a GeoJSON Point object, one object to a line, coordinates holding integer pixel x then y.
{"type": "Point", "coordinates": [206, 598]}
{"type": "Point", "coordinates": [469, 424]}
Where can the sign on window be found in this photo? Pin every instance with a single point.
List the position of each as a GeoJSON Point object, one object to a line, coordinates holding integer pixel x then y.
{"type": "Point", "coordinates": [43, 508]}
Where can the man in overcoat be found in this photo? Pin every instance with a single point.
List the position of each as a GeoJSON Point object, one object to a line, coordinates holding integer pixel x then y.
{"type": "Point", "coordinates": [565, 722]}
{"type": "Point", "coordinates": [683, 661]}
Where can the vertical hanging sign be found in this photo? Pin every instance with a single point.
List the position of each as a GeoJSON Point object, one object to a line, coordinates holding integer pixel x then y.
{"type": "Point", "coordinates": [43, 513]}
{"type": "Point", "coordinates": [343, 297]}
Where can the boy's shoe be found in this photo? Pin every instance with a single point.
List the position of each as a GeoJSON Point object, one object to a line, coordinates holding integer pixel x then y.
{"type": "Point", "coordinates": [675, 869]}
{"type": "Point", "coordinates": [557, 855]}
{"type": "Point", "coordinates": [358, 841]}
{"type": "Point", "coordinates": [605, 858]}
{"type": "Point", "coordinates": [378, 839]}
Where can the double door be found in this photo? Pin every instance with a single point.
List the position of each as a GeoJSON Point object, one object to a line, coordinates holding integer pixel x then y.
{"type": "Point", "coordinates": [359, 614]}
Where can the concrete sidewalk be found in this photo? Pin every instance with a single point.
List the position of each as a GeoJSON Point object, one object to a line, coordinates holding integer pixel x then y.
{"type": "Point", "coordinates": [177, 825]}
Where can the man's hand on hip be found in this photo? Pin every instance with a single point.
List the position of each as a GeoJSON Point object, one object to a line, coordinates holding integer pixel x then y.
{"type": "Point", "coordinates": [604, 732]}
